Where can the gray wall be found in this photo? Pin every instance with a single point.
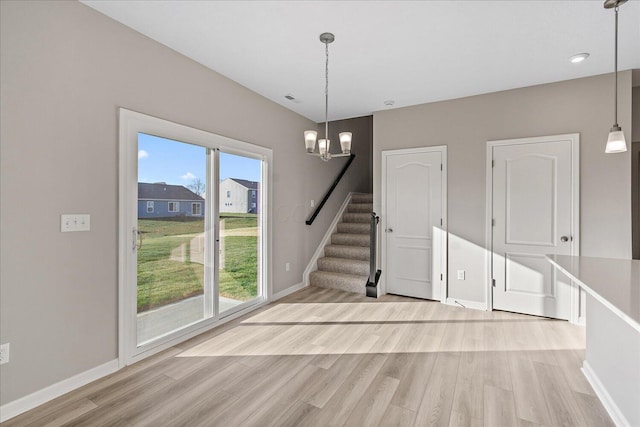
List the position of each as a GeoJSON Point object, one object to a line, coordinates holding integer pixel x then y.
{"type": "Point", "coordinates": [465, 125]}
{"type": "Point", "coordinates": [636, 113]}
{"type": "Point", "coordinates": [65, 70]}
{"type": "Point", "coordinates": [361, 146]}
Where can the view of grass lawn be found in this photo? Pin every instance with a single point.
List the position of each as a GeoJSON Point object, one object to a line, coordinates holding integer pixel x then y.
{"type": "Point", "coordinates": [166, 268]}
{"type": "Point", "coordinates": [239, 277]}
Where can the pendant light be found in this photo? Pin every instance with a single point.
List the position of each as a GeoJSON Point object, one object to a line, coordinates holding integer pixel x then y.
{"type": "Point", "coordinates": [616, 142]}
{"type": "Point", "coordinates": [311, 135]}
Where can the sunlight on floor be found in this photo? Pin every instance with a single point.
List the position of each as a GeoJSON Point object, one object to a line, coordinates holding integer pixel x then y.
{"type": "Point", "coordinates": [383, 327]}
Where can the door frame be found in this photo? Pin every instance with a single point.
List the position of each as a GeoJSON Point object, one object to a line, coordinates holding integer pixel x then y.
{"type": "Point", "coordinates": [130, 123]}
{"type": "Point", "coordinates": [576, 311]}
{"type": "Point", "coordinates": [440, 248]}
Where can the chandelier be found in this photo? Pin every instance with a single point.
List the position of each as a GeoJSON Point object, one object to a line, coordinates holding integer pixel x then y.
{"type": "Point", "coordinates": [310, 136]}
{"type": "Point", "coordinates": [616, 142]}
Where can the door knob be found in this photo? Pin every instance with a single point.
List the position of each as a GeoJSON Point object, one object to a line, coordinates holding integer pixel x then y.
{"type": "Point", "coordinates": [389, 230]}
{"type": "Point", "coordinates": [564, 239]}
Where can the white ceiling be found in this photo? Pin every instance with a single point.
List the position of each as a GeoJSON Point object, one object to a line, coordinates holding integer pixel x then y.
{"type": "Point", "coordinates": [412, 52]}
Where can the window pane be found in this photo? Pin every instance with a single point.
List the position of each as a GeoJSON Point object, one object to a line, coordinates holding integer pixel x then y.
{"type": "Point", "coordinates": [171, 254]}
{"type": "Point", "coordinates": [240, 177]}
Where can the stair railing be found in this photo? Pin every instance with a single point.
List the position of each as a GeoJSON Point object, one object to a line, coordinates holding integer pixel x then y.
{"type": "Point", "coordinates": [330, 190]}
{"type": "Point", "coordinates": [374, 274]}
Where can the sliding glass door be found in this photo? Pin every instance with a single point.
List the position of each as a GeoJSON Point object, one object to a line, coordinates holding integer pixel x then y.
{"type": "Point", "coordinates": [193, 227]}
{"type": "Point", "coordinates": [173, 242]}
{"type": "Point", "coordinates": [239, 224]}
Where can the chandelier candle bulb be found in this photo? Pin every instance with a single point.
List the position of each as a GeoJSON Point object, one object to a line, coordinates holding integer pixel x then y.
{"type": "Point", "coordinates": [310, 140]}
{"type": "Point", "coordinates": [345, 142]}
{"type": "Point", "coordinates": [616, 142]}
{"type": "Point", "coordinates": [323, 145]}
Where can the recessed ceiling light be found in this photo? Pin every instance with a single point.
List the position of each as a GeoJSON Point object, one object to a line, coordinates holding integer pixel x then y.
{"type": "Point", "coordinates": [389, 103]}
{"type": "Point", "coordinates": [578, 57]}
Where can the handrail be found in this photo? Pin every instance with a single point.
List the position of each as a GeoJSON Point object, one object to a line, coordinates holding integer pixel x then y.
{"type": "Point", "coordinates": [333, 186]}
{"type": "Point", "coordinates": [374, 274]}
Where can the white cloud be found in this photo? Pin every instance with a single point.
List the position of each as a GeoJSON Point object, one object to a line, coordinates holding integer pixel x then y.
{"type": "Point", "coordinates": [188, 176]}
{"type": "Point", "coordinates": [142, 154]}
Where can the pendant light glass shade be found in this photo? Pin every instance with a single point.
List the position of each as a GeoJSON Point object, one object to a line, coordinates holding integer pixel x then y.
{"type": "Point", "coordinates": [323, 146]}
{"type": "Point", "coordinates": [345, 142]}
{"type": "Point", "coordinates": [616, 142]}
{"type": "Point", "coordinates": [310, 140]}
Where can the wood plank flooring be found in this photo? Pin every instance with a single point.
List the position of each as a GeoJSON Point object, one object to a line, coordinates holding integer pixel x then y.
{"type": "Point", "coordinates": [322, 357]}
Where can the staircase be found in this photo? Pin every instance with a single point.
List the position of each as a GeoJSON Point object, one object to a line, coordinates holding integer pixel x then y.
{"type": "Point", "coordinates": [345, 264]}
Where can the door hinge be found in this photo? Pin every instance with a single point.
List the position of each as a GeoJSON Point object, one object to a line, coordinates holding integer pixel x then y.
{"type": "Point", "coordinates": [441, 276]}
{"type": "Point", "coordinates": [441, 221]}
{"type": "Point", "coordinates": [493, 163]}
{"type": "Point", "coordinates": [441, 166]}
{"type": "Point", "coordinates": [493, 282]}
{"type": "Point", "coordinates": [493, 222]}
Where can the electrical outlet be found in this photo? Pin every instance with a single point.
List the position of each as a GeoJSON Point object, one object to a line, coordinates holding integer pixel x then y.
{"type": "Point", "coordinates": [4, 353]}
{"type": "Point", "coordinates": [287, 267]}
{"type": "Point", "coordinates": [461, 274]}
{"type": "Point", "coordinates": [313, 203]}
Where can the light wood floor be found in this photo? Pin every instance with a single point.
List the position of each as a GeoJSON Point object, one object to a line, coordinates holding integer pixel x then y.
{"type": "Point", "coordinates": [322, 357]}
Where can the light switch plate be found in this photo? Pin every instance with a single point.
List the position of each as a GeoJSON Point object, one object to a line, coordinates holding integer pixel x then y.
{"type": "Point", "coordinates": [461, 274]}
{"type": "Point", "coordinates": [75, 222]}
{"type": "Point", "coordinates": [4, 353]}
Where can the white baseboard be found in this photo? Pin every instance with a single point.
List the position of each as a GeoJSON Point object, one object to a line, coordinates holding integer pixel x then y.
{"type": "Point", "coordinates": [288, 291]}
{"type": "Point", "coordinates": [17, 407]}
{"type": "Point", "coordinates": [614, 412]}
{"type": "Point", "coordinates": [475, 305]}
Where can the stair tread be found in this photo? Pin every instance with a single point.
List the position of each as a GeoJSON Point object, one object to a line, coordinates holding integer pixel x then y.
{"type": "Point", "coordinates": [357, 217]}
{"type": "Point", "coordinates": [348, 252]}
{"type": "Point", "coordinates": [333, 245]}
{"type": "Point", "coordinates": [354, 227]}
{"type": "Point", "coordinates": [345, 260]}
{"type": "Point", "coordinates": [338, 275]}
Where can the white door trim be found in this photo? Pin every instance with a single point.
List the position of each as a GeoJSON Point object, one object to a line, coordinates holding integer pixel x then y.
{"type": "Point", "coordinates": [442, 247]}
{"type": "Point", "coordinates": [575, 209]}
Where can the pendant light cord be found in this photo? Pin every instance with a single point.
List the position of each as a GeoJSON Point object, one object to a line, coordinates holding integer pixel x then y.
{"type": "Point", "coordinates": [326, 92]}
{"type": "Point", "coordinates": [615, 97]}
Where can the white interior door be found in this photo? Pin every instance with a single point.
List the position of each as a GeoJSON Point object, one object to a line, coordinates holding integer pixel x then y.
{"type": "Point", "coordinates": [534, 192]}
{"type": "Point", "coordinates": [414, 215]}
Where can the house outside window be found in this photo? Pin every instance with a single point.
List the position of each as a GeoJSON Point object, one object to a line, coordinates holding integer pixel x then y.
{"type": "Point", "coordinates": [228, 194]}
{"type": "Point", "coordinates": [253, 205]}
{"type": "Point", "coordinates": [150, 207]}
{"type": "Point", "coordinates": [174, 206]}
{"type": "Point", "coordinates": [253, 195]}
{"type": "Point", "coordinates": [196, 209]}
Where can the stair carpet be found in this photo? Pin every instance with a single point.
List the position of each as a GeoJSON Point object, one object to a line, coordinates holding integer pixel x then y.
{"type": "Point", "coordinates": [345, 264]}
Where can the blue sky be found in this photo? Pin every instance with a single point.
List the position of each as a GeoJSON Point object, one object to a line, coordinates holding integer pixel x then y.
{"type": "Point", "coordinates": [165, 160]}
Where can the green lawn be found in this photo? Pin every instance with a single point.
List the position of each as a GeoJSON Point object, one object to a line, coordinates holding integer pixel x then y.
{"type": "Point", "coordinates": [163, 278]}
